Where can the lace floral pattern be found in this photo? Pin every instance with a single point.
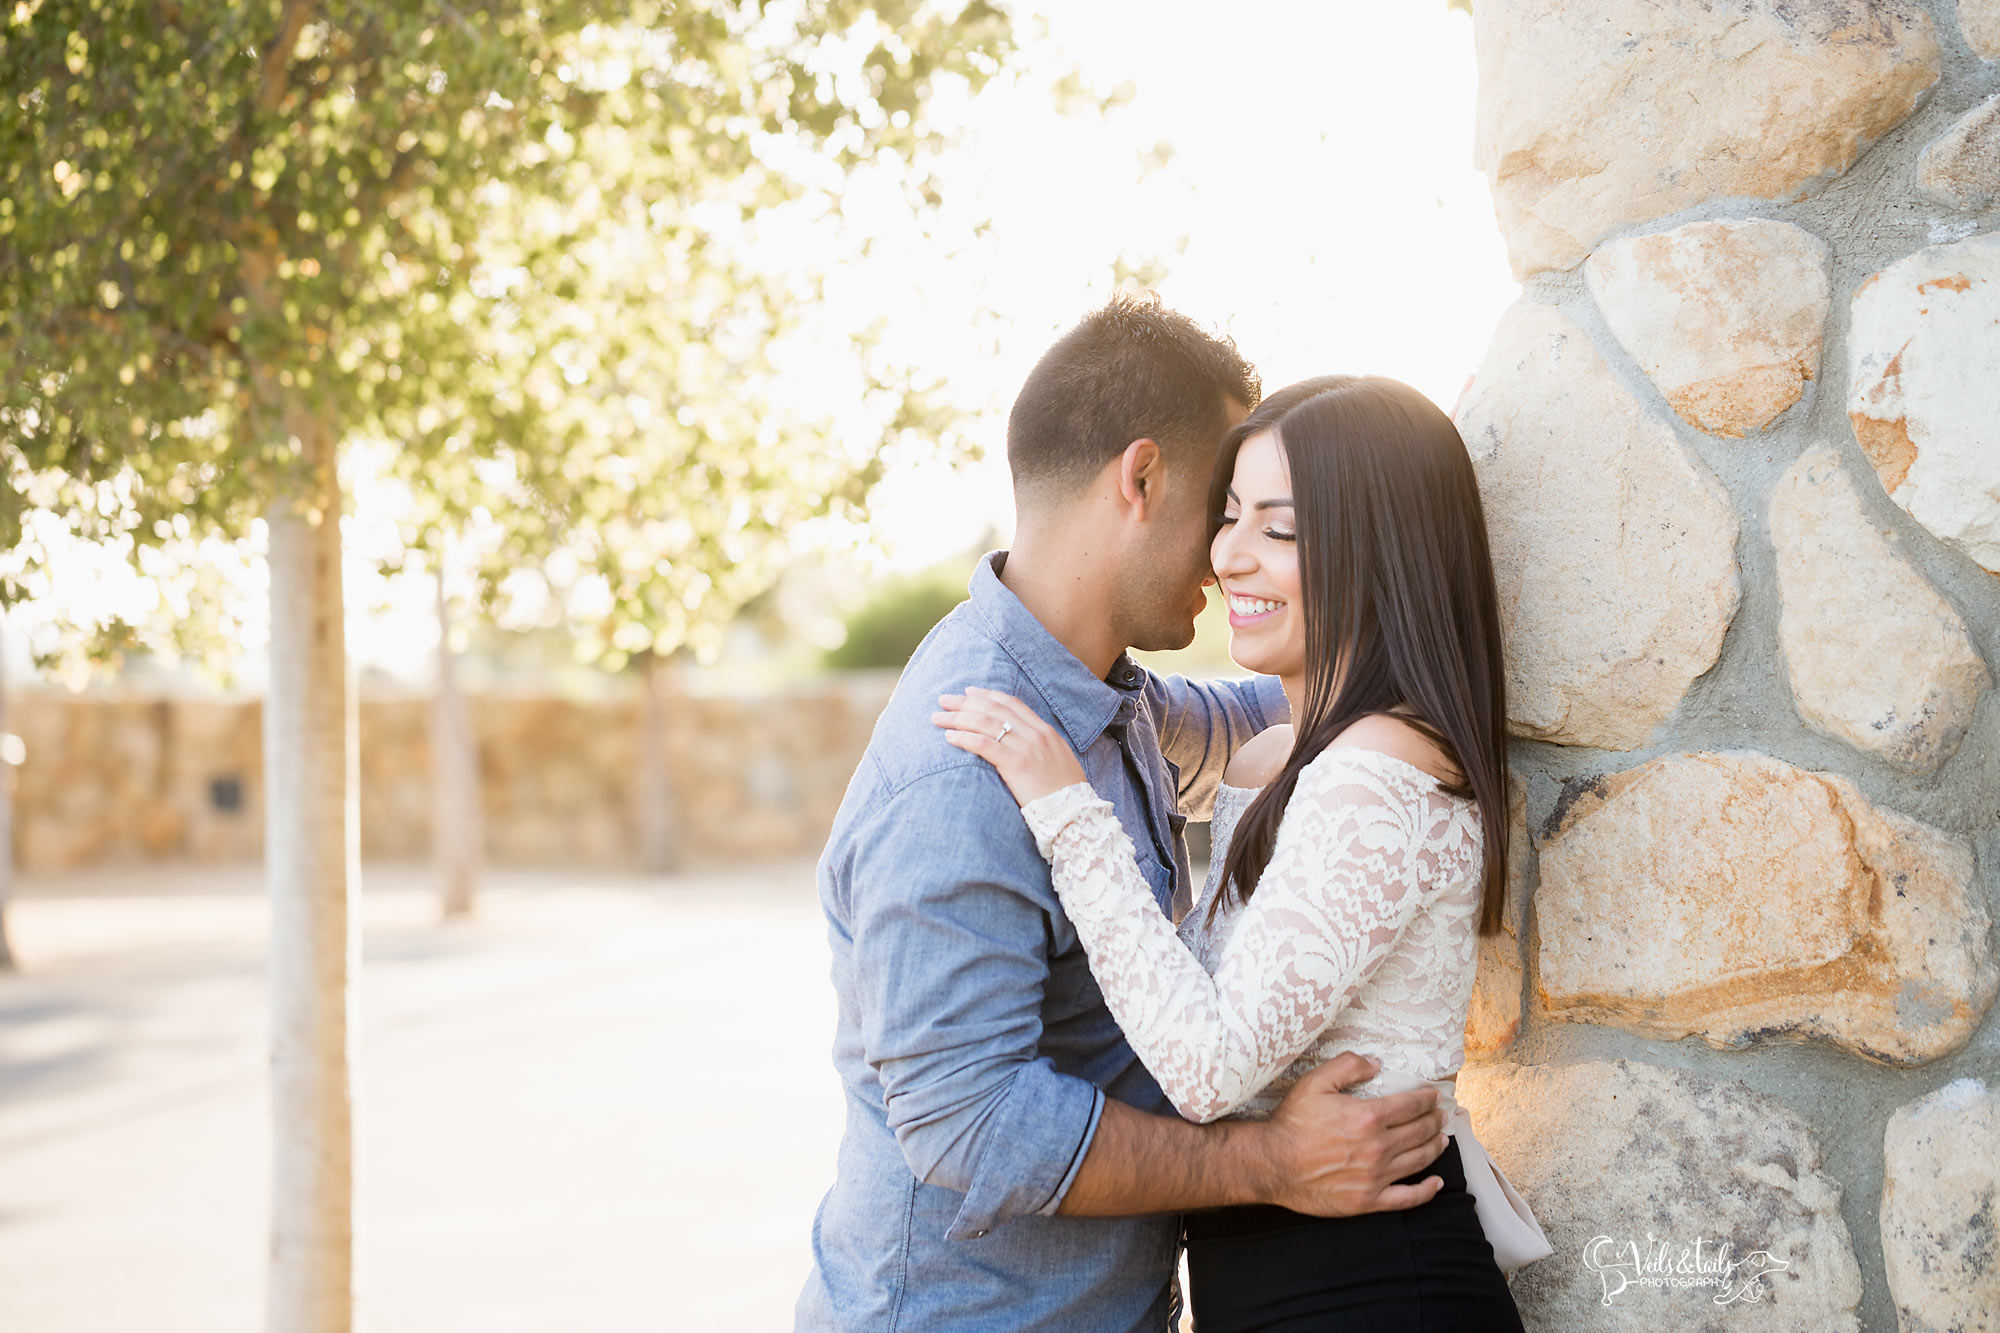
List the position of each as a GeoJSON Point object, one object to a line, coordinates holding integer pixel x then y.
{"type": "Point", "coordinates": [1361, 935]}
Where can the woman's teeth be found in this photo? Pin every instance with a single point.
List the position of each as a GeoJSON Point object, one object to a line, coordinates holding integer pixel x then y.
{"type": "Point", "coordinates": [1251, 606]}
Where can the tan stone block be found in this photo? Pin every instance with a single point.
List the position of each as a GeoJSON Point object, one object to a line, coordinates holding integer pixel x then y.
{"type": "Point", "coordinates": [1961, 167]}
{"type": "Point", "coordinates": [1925, 355]}
{"type": "Point", "coordinates": [46, 844]}
{"type": "Point", "coordinates": [1592, 117]}
{"type": "Point", "coordinates": [158, 832]}
{"type": "Point", "coordinates": [1627, 1164]}
{"type": "Point", "coordinates": [1979, 21]}
{"type": "Point", "coordinates": [1614, 549]}
{"type": "Point", "coordinates": [1725, 317]}
{"type": "Point", "coordinates": [1940, 1197]}
{"type": "Point", "coordinates": [1876, 656]}
{"type": "Point", "coordinates": [1738, 898]}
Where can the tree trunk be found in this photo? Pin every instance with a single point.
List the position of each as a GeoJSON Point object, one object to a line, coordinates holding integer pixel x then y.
{"type": "Point", "coordinates": [457, 825]}
{"type": "Point", "coordinates": [7, 963]}
{"type": "Point", "coordinates": [312, 865]}
{"type": "Point", "coordinates": [659, 814]}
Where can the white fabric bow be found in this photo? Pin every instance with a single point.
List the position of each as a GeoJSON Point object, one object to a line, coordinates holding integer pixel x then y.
{"type": "Point", "coordinates": [1510, 1225]}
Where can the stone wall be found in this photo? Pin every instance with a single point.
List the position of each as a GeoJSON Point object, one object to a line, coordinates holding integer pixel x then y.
{"type": "Point", "coordinates": [1739, 443]}
{"type": "Point", "coordinates": [121, 781]}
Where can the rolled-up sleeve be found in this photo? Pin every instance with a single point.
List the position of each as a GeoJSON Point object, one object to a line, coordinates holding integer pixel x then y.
{"type": "Point", "coordinates": [952, 933]}
{"type": "Point", "coordinates": [1203, 722]}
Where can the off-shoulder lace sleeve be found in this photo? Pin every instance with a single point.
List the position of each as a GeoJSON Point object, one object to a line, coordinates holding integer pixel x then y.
{"type": "Point", "coordinates": [1341, 886]}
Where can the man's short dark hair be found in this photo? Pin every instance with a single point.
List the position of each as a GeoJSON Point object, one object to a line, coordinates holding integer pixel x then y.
{"type": "Point", "coordinates": [1133, 370]}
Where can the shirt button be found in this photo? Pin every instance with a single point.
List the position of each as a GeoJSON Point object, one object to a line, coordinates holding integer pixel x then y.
{"type": "Point", "coordinates": [977, 1234]}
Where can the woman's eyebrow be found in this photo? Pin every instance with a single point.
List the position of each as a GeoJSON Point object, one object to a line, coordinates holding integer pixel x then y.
{"type": "Point", "coordinates": [1285, 503]}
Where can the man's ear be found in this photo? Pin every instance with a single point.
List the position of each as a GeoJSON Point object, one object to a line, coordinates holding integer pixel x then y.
{"type": "Point", "coordinates": [1140, 471]}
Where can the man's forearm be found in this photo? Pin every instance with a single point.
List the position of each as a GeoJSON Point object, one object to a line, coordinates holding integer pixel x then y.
{"type": "Point", "coordinates": [1140, 1163]}
{"type": "Point", "coordinates": [1321, 1152]}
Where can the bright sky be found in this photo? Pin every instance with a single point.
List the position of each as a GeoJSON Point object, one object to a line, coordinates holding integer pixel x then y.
{"type": "Point", "coordinates": [1321, 177]}
{"type": "Point", "coordinates": [1318, 203]}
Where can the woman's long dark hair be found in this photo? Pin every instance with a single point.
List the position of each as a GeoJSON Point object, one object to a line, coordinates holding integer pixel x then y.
{"type": "Point", "coordinates": [1400, 608]}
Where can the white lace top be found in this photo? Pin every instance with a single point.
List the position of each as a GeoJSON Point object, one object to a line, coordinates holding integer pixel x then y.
{"type": "Point", "coordinates": [1361, 935]}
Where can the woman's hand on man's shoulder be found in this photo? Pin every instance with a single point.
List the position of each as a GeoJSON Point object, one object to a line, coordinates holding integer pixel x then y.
{"type": "Point", "coordinates": [1033, 758]}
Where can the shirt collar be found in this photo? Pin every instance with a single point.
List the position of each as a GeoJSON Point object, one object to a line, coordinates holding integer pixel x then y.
{"type": "Point", "coordinates": [1084, 705]}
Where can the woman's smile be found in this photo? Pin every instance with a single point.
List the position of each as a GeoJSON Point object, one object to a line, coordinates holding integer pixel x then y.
{"type": "Point", "coordinates": [1246, 611]}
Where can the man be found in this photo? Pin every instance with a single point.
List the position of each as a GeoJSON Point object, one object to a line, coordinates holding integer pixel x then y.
{"type": "Point", "coordinates": [1007, 1162]}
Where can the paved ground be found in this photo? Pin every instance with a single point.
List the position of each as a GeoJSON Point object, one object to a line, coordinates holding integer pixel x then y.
{"type": "Point", "coordinates": [605, 1104]}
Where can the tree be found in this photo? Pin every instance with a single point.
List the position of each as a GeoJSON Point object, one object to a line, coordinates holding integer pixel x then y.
{"type": "Point", "coordinates": [517, 240]}
{"type": "Point", "coordinates": [458, 825]}
{"type": "Point", "coordinates": [887, 628]}
{"type": "Point", "coordinates": [8, 759]}
{"type": "Point", "coordinates": [657, 817]}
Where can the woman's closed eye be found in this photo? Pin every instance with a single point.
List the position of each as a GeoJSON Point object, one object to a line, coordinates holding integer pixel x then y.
{"type": "Point", "coordinates": [1227, 519]}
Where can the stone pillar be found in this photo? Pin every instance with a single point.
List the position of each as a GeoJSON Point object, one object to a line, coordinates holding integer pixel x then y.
{"type": "Point", "coordinates": [1739, 443]}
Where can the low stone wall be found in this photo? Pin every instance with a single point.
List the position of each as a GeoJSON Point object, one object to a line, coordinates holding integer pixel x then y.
{"type": "Point", "coordinates": [126, 780]}
{"type": "Point", "coordinates": [1739, 446]}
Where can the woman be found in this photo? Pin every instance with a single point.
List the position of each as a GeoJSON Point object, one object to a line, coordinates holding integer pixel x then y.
{"type": "Point", "coordinates": [1357, 854]}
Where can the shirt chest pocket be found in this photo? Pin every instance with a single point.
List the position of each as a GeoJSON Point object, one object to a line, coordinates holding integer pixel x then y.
{"type": "Point", "coordinates": [1159, 877]}
{"type": "Point", "coordinates": [1156, 861]}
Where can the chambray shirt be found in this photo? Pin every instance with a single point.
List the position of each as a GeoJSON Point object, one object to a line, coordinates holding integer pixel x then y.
{"type": "Point", "coordinates": [973, 1046]}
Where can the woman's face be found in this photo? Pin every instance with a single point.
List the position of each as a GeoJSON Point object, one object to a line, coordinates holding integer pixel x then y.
{"type": "Point", "coordinates": [1256, 558]}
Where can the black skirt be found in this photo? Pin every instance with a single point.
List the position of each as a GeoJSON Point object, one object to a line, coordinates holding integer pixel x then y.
{"type": "Point", "coordinates": [1421, 1269]}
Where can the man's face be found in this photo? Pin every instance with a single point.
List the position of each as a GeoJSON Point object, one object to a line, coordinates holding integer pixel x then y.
{"type": "Point", "coordinates": [1163, 583]}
